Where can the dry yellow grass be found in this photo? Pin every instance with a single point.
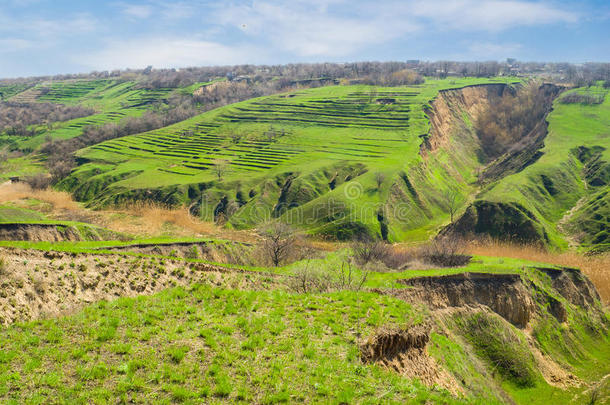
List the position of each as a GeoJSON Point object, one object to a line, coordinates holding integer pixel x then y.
{"type": "Point", "coordinates": [58, 199]}
{"type": "Point", "coordinates": [597, 268]}
{"type": "Point", "coordinates": [139, 219]}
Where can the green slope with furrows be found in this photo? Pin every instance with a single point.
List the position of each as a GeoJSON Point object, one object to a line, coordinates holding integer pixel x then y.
{"type": "Point", "coordinates": [343, 160]}
{"type": "Point", "coordinates": [335, 160]}
{"type": "Point", "coordinates": [573, 171]}
{"type": "Point", "coordinates": [112, 100]}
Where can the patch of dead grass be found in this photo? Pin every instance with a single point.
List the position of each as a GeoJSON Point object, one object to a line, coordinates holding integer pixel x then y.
{"type": "Point", "coordinates": [597, 267]}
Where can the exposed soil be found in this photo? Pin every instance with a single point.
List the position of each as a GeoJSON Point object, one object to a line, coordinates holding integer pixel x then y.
{"type": "Point", "coordinates": [234, 253]}
{"type": "Point", "coordinates": [404, 351]}
{"type": "Point", "coordinates": [447, 109]}
{"type": "Point", "coordinates": [35, 284]}
{"type": "Point", "coordinates": [505, 294]}
{"type": "Point", "coordinates": [38, 232]}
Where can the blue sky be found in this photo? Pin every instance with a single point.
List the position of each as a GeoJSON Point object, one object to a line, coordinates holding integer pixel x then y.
{"type": "Point", "coordinates": [40, 37]}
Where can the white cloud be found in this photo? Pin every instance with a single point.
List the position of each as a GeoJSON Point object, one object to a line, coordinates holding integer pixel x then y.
{"type": "Point", "coordinates": [14, 44]}
{"type": "Point", "coordinates": [341, 28]}
{"type": "Point", "coordinates": [310, 28]}
{"type": "Point", "coordinates": [489, 15]}
{"type": "Point", "coordinates": [163, 52]}
{"type": "Point", "coordinates": [137, 11]}
{"type": "Point", "coordinates": [491, 51]}
{"type": "Point", "coordinates": [170, 10]}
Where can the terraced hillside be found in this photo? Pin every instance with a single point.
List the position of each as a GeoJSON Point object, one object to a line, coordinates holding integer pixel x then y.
{"type": "Point", "coordinates": [112, 100]}
{"type": "Point", "coordinates": [351, 154]}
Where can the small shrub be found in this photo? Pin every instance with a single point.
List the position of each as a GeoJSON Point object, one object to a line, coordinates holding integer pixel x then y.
{"type": "Point", "coordinates": [447, 251]}
{"type": "Point", "coordinates": [398, 258]}
{"type": "Point", "coordinates": [367, 250]}
{"type": "Point", "coordinates": [39, 181]}
{"type": "Point", "coordinates": [308, 279]}
{"type": "Point", "coordinates": [192, 253]}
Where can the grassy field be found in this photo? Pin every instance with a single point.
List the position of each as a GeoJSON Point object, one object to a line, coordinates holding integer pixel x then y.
{"type": "Point", "coordinates": [210, 342]}
{"type": "Point", "coordinates": [336, 161]}
{"type": "Point", "coordinates": [112, 100]}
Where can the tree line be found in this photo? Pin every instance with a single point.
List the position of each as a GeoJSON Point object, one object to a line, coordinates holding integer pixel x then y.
{"type": "Point", "coordinates": [580, 74]}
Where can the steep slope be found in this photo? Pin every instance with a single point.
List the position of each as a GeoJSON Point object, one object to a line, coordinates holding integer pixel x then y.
{"type": "Point", "coordinates": [570, 166]}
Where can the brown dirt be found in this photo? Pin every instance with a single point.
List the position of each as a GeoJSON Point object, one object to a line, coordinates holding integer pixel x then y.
{"type": "Point", "coordinates": [36, 284]}
{"type": "Point", "coordinates": [447, 109]}
{"type": "Point", "coordinates": [404, 351]}
{"type": "Point", "coordinates": [38, 232]}
{"type": "Point", "coordinates": [505, 294]}
{"type": "Point", "coordinates": [226, 253]}
{"type": "Point", "coordinates": [552, 372]}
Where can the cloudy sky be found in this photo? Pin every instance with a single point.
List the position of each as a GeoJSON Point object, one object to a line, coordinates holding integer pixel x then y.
{"type": "Point", "coordinates": [40, 37]}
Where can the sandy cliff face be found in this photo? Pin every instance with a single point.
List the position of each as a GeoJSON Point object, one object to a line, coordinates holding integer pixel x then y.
{"type": "Point", "coordinates": [504, 294]}
{"type": "Point", "coordinates": [448, 111]}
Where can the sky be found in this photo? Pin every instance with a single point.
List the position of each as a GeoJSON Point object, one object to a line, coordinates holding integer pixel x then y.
{"type": "Point", "coordinates": [41, 37]}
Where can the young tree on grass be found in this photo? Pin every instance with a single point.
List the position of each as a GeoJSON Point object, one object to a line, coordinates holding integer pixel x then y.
{"type": "Point", "coordinates": [453, 199]}
{"type": "Point", "coordinates": [221, 167]}
{"type": "Point", "coordinates": [379, 179]}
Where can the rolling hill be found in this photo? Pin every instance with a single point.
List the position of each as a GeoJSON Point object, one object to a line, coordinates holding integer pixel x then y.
{"type": "Point", "coordinates": [344, 160]}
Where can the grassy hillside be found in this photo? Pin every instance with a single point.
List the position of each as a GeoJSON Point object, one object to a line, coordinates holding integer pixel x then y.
{"type": "Point", "coordinates": [346, 156]}
{"type": "Point", "coordinates": [113, 100]}
{"type": "Point", "coordinates": [573, 170]}
{"type": "Point", "coordinates": [339, 161]}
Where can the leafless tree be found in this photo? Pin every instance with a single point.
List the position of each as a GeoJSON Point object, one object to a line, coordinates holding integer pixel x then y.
{"type": "Point", "coordinates": [278, 242]}
{"type": "Point", "coordinates": [379, 179]}
{"type": "Point", "coordinates": [367, 249]}
{"type": "Point", "coordinates": [453, 199]}
{"type": "Point", "coordinates": [221, 167]}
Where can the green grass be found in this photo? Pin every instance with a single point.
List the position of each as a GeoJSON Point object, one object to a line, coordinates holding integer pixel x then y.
{"type": "Point", "coordinates": [12, 214]}
{"type": "Point", "coordinates": [112, 100]}
{"type": "Point", "coordinates": [208, 344]}
{"type": "Point", "coordinates": [331, 141]}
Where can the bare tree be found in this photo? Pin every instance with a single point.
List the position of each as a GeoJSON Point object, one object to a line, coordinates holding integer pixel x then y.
{"type": "Point", "coordinates": [367, 249]}
{"type": "Point", "coordinates": [278, 242]}
{"type": "Point", "coordinates": [221, 167]}
{"type": "Point", "coordinates": [453, 199]}
{"type": "Point", "coordinates": [236, 137]}
{"type": "Point", "coordinates": [379, 179]}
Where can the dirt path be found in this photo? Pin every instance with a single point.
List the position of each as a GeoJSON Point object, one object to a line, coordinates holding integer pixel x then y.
{"type": "Point", "coordinates": [572, 242]}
